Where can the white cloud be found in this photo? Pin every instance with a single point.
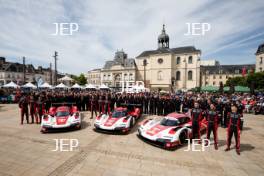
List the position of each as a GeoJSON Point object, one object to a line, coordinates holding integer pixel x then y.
{"type": "Point", "coordinates": [105, 26]}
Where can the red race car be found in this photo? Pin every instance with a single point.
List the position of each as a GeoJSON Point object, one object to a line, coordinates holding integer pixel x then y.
{"type": "Point", "coordinates": [122, 119]}
{"type": "Point", "coordinates": [61, 117]}
{"type": "Point", "coordinates": [169, 131]}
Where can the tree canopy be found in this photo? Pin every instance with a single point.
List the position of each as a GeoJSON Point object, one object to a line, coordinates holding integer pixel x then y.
{"type": "Point", "coordinates": [81, 80]}
{"type": "Point", "coordinates": [253, 80]}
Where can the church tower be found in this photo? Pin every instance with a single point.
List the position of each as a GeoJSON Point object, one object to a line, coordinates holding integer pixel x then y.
{"type": "Point", "coordinates": [163, 39]}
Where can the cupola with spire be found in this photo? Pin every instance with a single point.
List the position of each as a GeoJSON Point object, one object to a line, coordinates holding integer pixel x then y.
{"type": "Point", "coordinates": [163, 39]}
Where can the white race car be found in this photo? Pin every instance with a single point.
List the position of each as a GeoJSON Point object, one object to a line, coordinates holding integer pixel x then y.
{"type": "Point", "coordinates": [60, 118]}
{"type": "Point", "coordinates": [168, 132]}
{"type": "Point", "coordinates": [122, 119]}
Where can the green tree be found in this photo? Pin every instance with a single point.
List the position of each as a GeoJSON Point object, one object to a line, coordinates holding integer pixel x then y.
{"type": "Point", "coordinates": [81, 80]}
{"type": "Point", "coordinates": [236, 81]}
{"type": "Point", "coordinates": [256, 81]}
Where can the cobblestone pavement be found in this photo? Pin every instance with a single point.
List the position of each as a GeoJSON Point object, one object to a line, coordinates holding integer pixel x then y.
{"type": "Point", "coordinates": [25, 151]}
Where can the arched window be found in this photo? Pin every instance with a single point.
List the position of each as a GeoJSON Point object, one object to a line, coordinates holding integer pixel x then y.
{"type": "Point", "coordinates": [190, 75]}
{"type": "Point", "coordinates": [131, 77]}
{"type": "Point", "coordinates": [160, 75]}
{"type": "Point", "coordinates": [178, 75]}
{"type": "Point", "coordinates": [178, 60]}
{"type": "Point", "coordinates": [125, 76]}
{"type": "Point", "coordinates": [190, 60]}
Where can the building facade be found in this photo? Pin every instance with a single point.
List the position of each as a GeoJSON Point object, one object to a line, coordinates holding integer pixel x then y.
{"type": "Point", "coordinates": [94, 77]}
{"type": "Point", "coordinates": [169, 68]}
{"type": "Point", "coordinates": [10, 71]}
{"type": "Point", "coordinates": [119, 71]}
{"type": "Point", "coordinates": [260, 58]}
{"type": "Point", "coordinates": [213, 75]}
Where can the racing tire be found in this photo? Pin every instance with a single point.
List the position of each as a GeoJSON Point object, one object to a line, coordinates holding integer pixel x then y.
{"type": "Point", "coordinates": [183, 137]}
{"type": "Point", "coordinates": [80, 127]}
{"type": "Point", "coordinates": [43, 131]}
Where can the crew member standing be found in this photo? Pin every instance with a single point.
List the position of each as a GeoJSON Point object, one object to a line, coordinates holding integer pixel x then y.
{"type": "Point", "coordinates": [234, 127]}
{"type": "Point", "coordinates": [23, 105]}
{"type": "Point", "coordinates": [32, 108]}
{"type": "Point", "coordinates": [93, 106]}
{"type": "Point", "coordinates": [40, 108]}
{"type": "Point", "coordinates": [107, 104]}
{"type": "Point", "coordinates": [196, 115]}
{"type": "Point", "coordinates": [212, 118]}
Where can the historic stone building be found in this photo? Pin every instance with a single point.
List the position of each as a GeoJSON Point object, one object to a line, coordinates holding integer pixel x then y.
{"type": "Point", "coordinates": [215, 74]}
{"type": "Point", "coordinates": [260, 58]}
{"type": "Point", "coordinates": [10, 71]}
{"type": "Point", "coordinates": [119, 72]}
{"type": "Point", "coordinates": [94, 77]}
{"type": "Point", "coordinates": [169, 68]}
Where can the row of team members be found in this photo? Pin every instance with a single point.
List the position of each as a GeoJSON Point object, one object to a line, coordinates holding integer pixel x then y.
{"type": "Point", "coordinates": [235, 124]}
{"type": "Point", "coordinates": [212, 108]}
{"type": "Point", "coordinates": [98, 102]}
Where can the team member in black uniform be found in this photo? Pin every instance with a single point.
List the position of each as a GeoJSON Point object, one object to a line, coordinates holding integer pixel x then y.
{"type": "Point", "coordinates": [93, 105]}
{"type": "Point", "coordinates": [196, 115]}
{"type": "Point", "coordinates": [212, 118]}
{"type": "Point", "coordinates": [227, 110]}
{"type": "Point", "coordinates": [151, 105]}
{"type": "Point", "coordinates": [146, 104]}
{"type": "Point", "coordinates": [177, 104]}
{"type": "Point", "coordinates": [219, 109]}
{"type": "Point", "coordinates": [234, 127]}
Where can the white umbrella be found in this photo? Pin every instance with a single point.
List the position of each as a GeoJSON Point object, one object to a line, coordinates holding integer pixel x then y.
{"type": "Point", "coordinates": [62, 86]}
{"type": "Point", "coordinates": [29, 85]}
{"type": "Point", "coordinates": [76, 86]}
{"type": "Point", "coordinates": [103, 87]}
{"type": "Point", "coordinates": [45, 85]}
{"type": "Point", "coordinates": [66, 78]}
{"type": "Point", "coordinates": [11, 85]}
{"type": "Point", "coordinates": [90, 86]}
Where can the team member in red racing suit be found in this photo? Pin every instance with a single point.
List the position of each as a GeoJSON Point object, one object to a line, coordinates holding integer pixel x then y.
{"type": "Point", "coordinates": [196, 115]}
{"type": "Point", "coordinates": [212, 118]}
{"type": "Point", "coordinates": [234, 127]}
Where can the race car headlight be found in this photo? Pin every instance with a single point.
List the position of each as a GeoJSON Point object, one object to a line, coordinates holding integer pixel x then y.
{"type": "Point", "coordinates": [46, 117]}
{"type": "Point", "coordinates": [77, 115]}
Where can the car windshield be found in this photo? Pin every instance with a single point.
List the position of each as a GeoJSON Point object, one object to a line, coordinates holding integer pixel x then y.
{"type": "Point", "coordinates": [62, 113]}
{"type": "Point", "coordinates": [117, 114]}
{"type": "Point", "coordinates": [169, 122]}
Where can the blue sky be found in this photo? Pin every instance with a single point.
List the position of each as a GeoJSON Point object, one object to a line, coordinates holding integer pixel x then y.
{"type": "Point", "coordinates": [237, 29]}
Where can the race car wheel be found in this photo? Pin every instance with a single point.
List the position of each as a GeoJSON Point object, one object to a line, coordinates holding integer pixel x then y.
{"type": "Point", "coordinates": [183, 137]}
{"type": "Point", "coordinates": [78, 127]}
{"type": "Point", "coordinates": [43, 130]}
